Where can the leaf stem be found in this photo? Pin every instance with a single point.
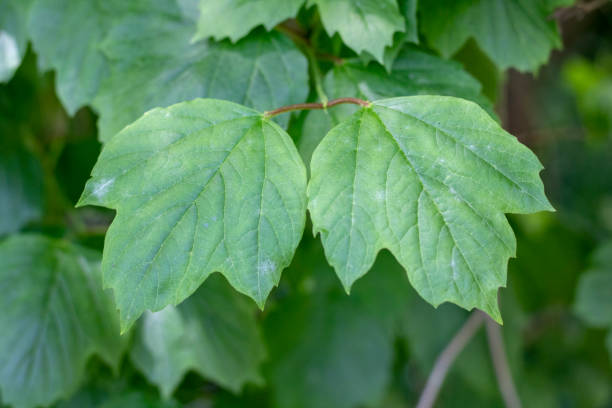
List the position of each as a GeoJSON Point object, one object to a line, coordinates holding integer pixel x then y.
{"type": "Point", "coordinates": [316, 76]}
{"type": "Point", "coordinates": [447, 357]}
{"type": "Point", "coordinates": [312, 105]}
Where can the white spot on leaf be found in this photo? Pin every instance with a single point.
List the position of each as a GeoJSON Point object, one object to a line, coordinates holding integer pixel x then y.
{"type": "Point", "coordinates": [101, 188]}
{"type": "Point", "coordinates": [266, 267]}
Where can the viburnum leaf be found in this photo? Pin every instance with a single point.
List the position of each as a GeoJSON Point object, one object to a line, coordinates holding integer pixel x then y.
{"type": "Point", "coordinates": [429, 178]}
{"type": "Point", "coordinates": [594, 294]}
{"type": "Point", "coordinates": [513, 33]}
{"type": "Point", "coordinates": [214, 332]}
{"type": "Point", "coordinates": [154, 63]}
{"type": "Point", "coordinates": [414, 72]}
{"type": "Point", "coordinates": [13, 36]}
{"type": "Point", "coordinates": [55, 316]}
{"type": "Point", "coordinates": [366, 25]}
{"type": "Point", "coordinates": [68, 43]}
{"type": "Point", "coordinates": [199, 187]}
{"type": "Point", "coordinates": [21, 184]}
{"type": "Point", "coordinates": [410, 35]}
{"type": "Point", "coordinates": [234, 19]}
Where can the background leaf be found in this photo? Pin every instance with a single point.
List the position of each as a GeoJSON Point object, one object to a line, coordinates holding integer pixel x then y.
{"type": "Point", "coordinates": [332, 350]}
{"type": "Point", "coordinates": [55, 315]}
{"type": "Point", "coordinates": [213, 332]}
{"type": "Point", "coordinates": [366, 25]}
{"type": "Point", "coordinates": [266, 69]}
{"type": "Point", "coordinates": [233, 19]}
{"type": "Point", "coordinates": [21, 184]}
{"type": "Point", "coordinates": [13, 36]}
{"type": "Point", "coordinates": [513, 33]}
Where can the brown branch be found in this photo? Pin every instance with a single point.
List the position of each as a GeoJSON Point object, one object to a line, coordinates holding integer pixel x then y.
{"type": "Point", "coordinates": [500, 364]}
{"type": "Point", "coordinates": [447, 357]}
{"type": "Point", "coordinates": [579, 10]}
{"type": "Point", "coordinates": [293, 30]}
{"type": "Point", "coordinates": [303, 106]}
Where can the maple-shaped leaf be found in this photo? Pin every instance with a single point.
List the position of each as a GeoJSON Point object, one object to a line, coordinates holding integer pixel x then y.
{"type": "Point", "coordinates": [429, 178]}
{"type": "Point", "coordinates": [366, 25]}
{"type": "Point", "coordinates": [513, 33]}
{"type": "Point", "coordinates": [199, 187]}
{"type": "Point", "coordinates": [233, 19]}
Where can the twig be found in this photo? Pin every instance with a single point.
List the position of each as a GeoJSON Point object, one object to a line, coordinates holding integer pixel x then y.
{"type": "Point", "coordinates": [446, 358]}
{"type": "Point", "coordinates": [293, 30]}
{"type": "Point", "coordinates": [303, 106]}
{"type": "Point", "coordinates": [579, 10]}
{"type": "Point", "coordinates": [500, 364]}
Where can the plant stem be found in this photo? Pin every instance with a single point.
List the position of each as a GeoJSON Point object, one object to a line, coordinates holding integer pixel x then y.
{"type": "Point", "coordinates": [500, 364]}
{"type": "Point", "coordinates": [316, 76]}
{"type": "Point", "coordinates": [303, 106]}
{"type": "Point", "coordinates": [447, 357]}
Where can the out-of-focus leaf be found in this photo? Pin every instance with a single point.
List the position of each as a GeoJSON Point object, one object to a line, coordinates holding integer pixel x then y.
{"type": "Point", "coordinates": [13, 36]}
{"type": "Point", "coordinates": [233, 19]}
{"type": "Point", "coordinates": [213, 333]}
{"type": "Point", "coordinates": [55, 317]}
{"type": "Point", "coordinates": [21, 185]}
{"type": "Point", "coordinates": [594, 293]}
{"type": "Point", "coordinates": [66, 36]}
{"type": "Point", "coordinates": [514, 33]}
{"type": "Point", "coordinates": [155, 64]}
{"type": "Point", "coordinates": [365, 25]}
{"type": "Point", "coordinates": [327, 349]}
{"type": "Point", "coordinates": [591, 83]}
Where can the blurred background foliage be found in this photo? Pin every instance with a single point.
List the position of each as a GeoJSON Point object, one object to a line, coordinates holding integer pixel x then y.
{"type": "Point", "coordinates": [379, 345]}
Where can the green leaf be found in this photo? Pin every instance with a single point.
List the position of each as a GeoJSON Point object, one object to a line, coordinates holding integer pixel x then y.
{"type": "Point", "coordinates": [411, 34]}
{"type": "Point", "coordinates": [199, 187]}
{"type": "Point", "coordinates": [429, 178]}
{"type": "Point", "coordinates": [414, 72]}
{"type": "Point", "coordinates": [66, 36]}
{"type": "Point", "coordinates": [13, 36]}
{"type": "Point", "coordinates": [514, 33]}
{"type": "Point", "coordinates": [332, 350]}
{"type": "Point", "coordinates": [214, 333]}
{"type": "Point", "coordinates": [54, 316]}
{"type": "Point", "coordinates": [155, 64]}
{"type": "Point", "coordinates": [594, 298]}
{"type": "Point", "coordinates": [21, 185]}
{"type": "Point", "coordinates": [234, 19]}
{"type": "Point", "coordinates": [594, 293]}
{"type": "Point", "coordinates": [366, 25]}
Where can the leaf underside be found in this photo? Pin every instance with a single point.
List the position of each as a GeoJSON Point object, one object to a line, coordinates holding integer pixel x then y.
{"type": "Point", "coordinates": [429, 178]}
